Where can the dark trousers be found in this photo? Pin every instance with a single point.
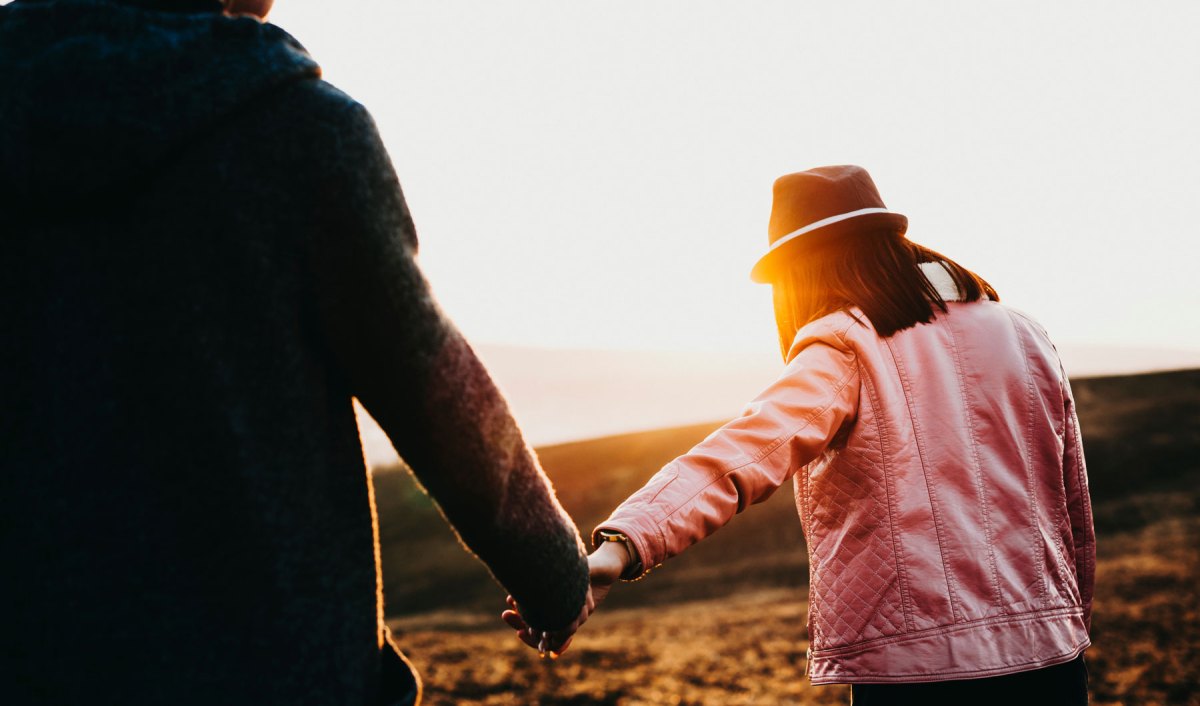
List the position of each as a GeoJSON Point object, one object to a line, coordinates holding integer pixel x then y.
{"type": "Point", "coordinates": [1061, 685]}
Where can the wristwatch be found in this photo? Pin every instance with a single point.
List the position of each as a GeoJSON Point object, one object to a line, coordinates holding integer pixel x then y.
{"type": "Point", "coordinates": [634, 570]}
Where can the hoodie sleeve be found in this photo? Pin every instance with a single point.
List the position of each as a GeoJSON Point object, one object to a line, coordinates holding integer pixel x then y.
{"type": "Point", "coordinates": [417, 376]}
{"type": "Point", "coordinates": [745, 461]}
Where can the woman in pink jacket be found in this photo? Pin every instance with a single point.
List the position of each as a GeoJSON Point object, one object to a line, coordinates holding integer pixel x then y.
{"type": "Point", "coordinates": [936, 456]}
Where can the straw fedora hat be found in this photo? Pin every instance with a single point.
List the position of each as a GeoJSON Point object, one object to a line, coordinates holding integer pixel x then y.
{"type": "Point", "coordinates": [811, 206]}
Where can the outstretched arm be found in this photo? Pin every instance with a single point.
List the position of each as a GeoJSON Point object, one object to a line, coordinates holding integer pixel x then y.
{"type": "Point", "coordinates": [742, 463]}
{"type": "Point", "coordinates": [745, 461]}
{"type": "Point", "coordinates": [418, 377]}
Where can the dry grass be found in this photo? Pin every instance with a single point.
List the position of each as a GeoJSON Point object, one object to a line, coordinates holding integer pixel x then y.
{"type": "Point", "coordinates": [749, 648]}
{"type": "Point", "coordinates": [1146, 624]}
{"type": "Point", "coordinates": [724, 623]}
{"type": "Point", "coordinates": [743, 649]}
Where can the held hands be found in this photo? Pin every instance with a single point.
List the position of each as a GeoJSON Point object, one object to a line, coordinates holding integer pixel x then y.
{"type": "Point", "coordinates": [605, 566]}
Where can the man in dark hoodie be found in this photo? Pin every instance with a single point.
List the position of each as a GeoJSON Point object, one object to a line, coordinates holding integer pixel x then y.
{"type": "Point", "coordinates": [206, 255]}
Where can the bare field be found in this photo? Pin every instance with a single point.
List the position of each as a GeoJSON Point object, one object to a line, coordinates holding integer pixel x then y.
{"type": "Point", "coordinates": [724, 623]}
{"type": "Point", "coordinates": [748, 648]}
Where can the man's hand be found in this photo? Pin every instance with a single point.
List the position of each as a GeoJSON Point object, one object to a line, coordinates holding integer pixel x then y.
{"type": "Point", "coordinates": [605, 566]}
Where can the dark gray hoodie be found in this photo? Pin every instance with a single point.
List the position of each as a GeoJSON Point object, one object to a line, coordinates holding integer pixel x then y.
{"type": "Point", "coordinates": [206, 254]}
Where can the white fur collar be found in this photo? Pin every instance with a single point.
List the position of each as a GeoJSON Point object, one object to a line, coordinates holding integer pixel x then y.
{"type": "Point", "coordinates": [941, 280]}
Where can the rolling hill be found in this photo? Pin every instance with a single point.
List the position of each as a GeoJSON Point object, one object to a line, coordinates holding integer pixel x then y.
{"type": "Point", "coordinates": [1141, 435]}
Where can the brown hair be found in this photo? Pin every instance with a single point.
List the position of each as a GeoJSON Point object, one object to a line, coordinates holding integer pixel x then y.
{"type": "Point", "coordinates": [876, 271]}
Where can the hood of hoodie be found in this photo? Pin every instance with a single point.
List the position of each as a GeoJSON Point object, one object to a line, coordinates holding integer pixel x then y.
{"type": "Point", "coordinates": [94, 93]}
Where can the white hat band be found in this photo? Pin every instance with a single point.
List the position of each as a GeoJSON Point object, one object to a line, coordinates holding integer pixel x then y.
{"type": "Point", "coordinates": [822, 223]}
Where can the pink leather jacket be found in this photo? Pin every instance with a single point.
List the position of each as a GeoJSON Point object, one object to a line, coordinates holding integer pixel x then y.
{"type": "Point", "coordinates": [940, 483]}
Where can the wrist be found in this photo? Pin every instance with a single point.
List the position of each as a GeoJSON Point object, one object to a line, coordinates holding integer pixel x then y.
{"type": "Point", "coordinates": [616, 554]}
{"type": "Point", "coordinates": [626, 557]}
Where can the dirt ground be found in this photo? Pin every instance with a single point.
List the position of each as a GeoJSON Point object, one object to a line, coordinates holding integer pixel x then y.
{"type": "Point", "coordinates": [724, 622]}
{"type": "Point", "coordinates": [749, 648]}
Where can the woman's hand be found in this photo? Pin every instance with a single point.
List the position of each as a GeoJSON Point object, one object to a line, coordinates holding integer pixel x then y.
{"type": "Point", "coordinates": [605, 566]}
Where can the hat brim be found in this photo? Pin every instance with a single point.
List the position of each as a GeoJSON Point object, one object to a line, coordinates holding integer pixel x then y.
{"type": "Point", "coordinates": [770, 266]}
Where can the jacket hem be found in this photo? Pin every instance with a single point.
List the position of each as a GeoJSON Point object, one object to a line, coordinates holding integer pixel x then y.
{"type": "Point", "coordinates": [990, 648]}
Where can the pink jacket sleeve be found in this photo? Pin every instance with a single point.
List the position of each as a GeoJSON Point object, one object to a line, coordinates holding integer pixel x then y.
{"type": "Point", "coordinates": [746, 460]}
{"type": "Point", "coordinates": [1079, 505]}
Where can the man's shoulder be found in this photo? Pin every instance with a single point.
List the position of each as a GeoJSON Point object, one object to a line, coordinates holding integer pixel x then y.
{"type": "Point", "coordinates": [321, 105]}
{"type": "Point", "coordinates": [313, 125]}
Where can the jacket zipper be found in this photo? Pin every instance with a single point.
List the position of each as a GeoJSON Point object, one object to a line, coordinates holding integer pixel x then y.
{"type": "Point", "coordinates": [807, 661]}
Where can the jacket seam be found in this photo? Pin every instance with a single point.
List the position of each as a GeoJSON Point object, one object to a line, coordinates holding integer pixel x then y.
{"type": "Point", "coordinates": [1085, 505]}
{"type": "Point", "coordinates": [980, 490]}
{"type": "Point", "coordinates": [955, 612]}
{"type": "Point", "coordinates": [1027, 442]}
{"type": "Point", "coordinates": [1069, 565]}
{"type": "Point", "coordinates": [1062, 510]}
{"type": "Point", "coordinates": [901, 570]}
{"type": "Point", "coordinates": [1062, 567]}
{"type": "Point", "coordinates": [843, 650]}
{"type": "Point", "coordinates": [806, 529]}
{"type": "Point", "coordinates": [770, 448]}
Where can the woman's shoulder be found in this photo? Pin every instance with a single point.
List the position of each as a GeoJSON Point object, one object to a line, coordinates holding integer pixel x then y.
{"type": "Point", "coordinates": [845, 324]}
{"type": "Point", "coordinates": [1027, 319]}
{"type": "Point", "coordinates": [837, 329]}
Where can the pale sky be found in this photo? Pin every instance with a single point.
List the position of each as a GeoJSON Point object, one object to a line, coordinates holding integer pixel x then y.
{"type": "Point", "coordinates": [599, 174]}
